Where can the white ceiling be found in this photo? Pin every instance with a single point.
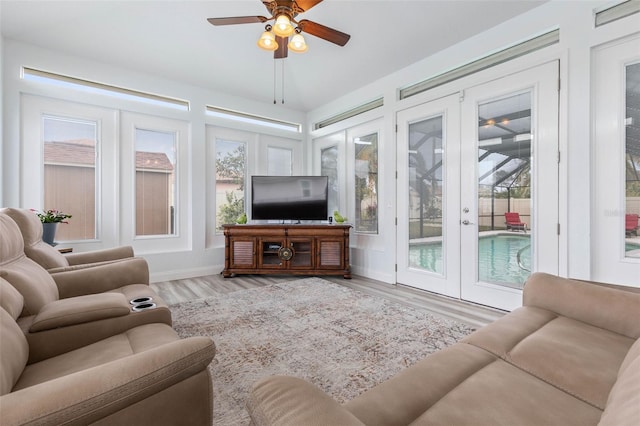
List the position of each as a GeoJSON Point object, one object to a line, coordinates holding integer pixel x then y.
{"type": "Point", "coordinates": [173, 40]}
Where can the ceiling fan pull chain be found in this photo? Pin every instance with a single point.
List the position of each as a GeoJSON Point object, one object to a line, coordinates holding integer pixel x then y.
{"type": "Point", "coordinates": [283, 81]}
{"type": "Point", "coordinates": [274, 81]}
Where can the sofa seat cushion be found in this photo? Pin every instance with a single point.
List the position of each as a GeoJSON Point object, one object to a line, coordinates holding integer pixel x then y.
{"type": "Point", "coordinates": [502, 394]}
{"type": "Point", "coordinates": [131, 342]}
{"type": "Point", "coordinates": [505, 333]}
{"type": "Point", "coordinates": [579, 358]}
{"type": "Point", "coordinates": [576, 357]}
{"type": "Point", "coordinates": [406, 396]}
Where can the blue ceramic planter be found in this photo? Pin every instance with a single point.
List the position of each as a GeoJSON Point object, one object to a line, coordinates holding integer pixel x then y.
{"type": "Point", "coordinates": [49, 233]}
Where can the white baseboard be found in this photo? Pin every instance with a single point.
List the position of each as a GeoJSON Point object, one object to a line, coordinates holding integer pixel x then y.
{"type": "Point", "coordinates": [374, 275]}
{"type": "Point", "coordinates": [179, 274]}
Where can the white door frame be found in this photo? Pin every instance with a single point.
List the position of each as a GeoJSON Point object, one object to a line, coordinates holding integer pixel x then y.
{"type": "Point", "coordinates": [459, 111]}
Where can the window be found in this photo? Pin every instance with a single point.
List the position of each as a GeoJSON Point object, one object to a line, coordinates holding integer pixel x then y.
{"type": "Point", "coordinates": [54, 79]}
{"type": "Point", "coordinates": [70, 174]}
{"type": "Point", "coordinates": [329, 168]}
{"type": "Point", "coordinates": [155, 165]}
{"type": "Point", "coordinates": [154, 193]}
{"type": "Point", "coordinates": [252, 119]}
{"type": "Point", "coordinates": [230, 181]}
{"type": "Point", "coordinates": [279, 161]}
{"type": "Point", "coordinates": [366, 183]}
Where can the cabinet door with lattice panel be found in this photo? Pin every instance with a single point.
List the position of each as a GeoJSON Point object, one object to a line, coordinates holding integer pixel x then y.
{"type": "Point", "coordinates": [242, 253]}
{"type": "Point", "coordinates": [330, 253]}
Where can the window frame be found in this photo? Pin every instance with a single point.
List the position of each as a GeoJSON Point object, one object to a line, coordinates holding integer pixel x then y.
{"type": "Point", "coordinates": [354, 133]}
{"type": "Point", "coordinates": [35, 108]}
{"type": "Point", "coordinates": [181, 239]}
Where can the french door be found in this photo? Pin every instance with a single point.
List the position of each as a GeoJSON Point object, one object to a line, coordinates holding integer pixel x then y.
{"type": "Point", "coordinates": [463, 162]}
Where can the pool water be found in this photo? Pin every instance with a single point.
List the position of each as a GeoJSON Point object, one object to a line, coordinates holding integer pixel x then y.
{"type": "Point", "coordinates": [631, 246]}
{"type": "Point", "coordinates": [497, 258]}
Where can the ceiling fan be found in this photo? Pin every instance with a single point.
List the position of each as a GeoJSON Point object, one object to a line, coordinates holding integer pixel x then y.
{"type": "Point", "coordinates": [284, 13]}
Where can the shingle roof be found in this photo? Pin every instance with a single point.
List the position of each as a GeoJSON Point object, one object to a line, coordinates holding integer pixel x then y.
{"type": "Point", "coordinates": [82, 151]}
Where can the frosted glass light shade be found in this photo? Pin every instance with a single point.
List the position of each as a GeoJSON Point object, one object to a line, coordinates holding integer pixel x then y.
{"type": "Point", "coordinates": [297, 44]}
{"type": "Point", "coordinates": [268, 41]}
{"type": "Point", "coordinates": [283, 27]}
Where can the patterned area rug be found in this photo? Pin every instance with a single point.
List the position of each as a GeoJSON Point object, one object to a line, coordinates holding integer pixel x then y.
{"type": "Point", "coordinates": [342, 340]}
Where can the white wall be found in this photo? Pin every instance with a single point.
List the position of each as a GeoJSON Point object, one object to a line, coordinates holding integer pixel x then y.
{"type": "Point", "coordinates": [578, 36]}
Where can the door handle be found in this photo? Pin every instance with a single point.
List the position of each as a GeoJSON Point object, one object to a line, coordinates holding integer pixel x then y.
{"type": "Point", "coordinates": [466, 222]}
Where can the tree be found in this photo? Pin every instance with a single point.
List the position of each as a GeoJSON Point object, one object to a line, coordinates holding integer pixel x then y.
{"type": "Point", "coordinates": [230, 168]}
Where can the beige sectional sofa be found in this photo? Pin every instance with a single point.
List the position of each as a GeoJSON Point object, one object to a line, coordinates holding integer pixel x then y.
{"type": "Point", "coordinates": [569, 356]}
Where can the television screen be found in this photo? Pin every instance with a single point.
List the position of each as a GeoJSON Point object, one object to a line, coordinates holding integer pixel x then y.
{"type": "Point", "coordinates": [289, 197]}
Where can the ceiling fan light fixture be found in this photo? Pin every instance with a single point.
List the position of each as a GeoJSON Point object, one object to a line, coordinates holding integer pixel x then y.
{"type": "Point", "coordinates": [297, 44]}
{"type": "Point", "coordinates": [282, 27]}
{"type": "Point", "coordinates": [267, 40]}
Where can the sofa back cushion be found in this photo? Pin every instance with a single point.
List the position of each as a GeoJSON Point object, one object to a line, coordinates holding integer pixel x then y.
{"type": "Point", "coordinates": [32, 281]}
{"type": "Point", "coordinates": [14, 352]}
{"type": "Point", "coordinates": [584, 301]}
{"type": "Point", "coordinates": [31, 228]}
{"type": "Point", "coordinates": [10, 299]}
{"type": "Point", "coordinates": [623, 405]}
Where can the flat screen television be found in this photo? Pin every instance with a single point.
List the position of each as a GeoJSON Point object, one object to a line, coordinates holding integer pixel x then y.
{"type": "Point", "coordinates": [289, 197]}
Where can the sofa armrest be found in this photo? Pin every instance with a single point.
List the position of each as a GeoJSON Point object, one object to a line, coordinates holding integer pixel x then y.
{"type": "Point", "coordinates": [102, 277]}
{"type": "Point", "coordinates": [99, 255]}
{"type": "Point", "coordinates": [583, 301]}
{"type": "Point", "coordinates": [283, 401]}
{"type": "Point", "coordinates": [87, 396]}
{"type": "Point", "coordinates": [78, 310]}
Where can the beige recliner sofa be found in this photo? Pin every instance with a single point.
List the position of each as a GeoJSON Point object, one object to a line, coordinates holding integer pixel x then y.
{"type": "Point", "coordinates": [569, 356]}
{"type": "Point", "coordinates": [144, 375]}
{"type": "Point", "coordinates": [76, 308]}
{"type": "Point", "coordinates": [55, 262]}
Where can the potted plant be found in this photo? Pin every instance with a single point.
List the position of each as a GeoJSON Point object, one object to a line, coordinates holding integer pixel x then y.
{"type": "Point", "coordinates": [50, 220]}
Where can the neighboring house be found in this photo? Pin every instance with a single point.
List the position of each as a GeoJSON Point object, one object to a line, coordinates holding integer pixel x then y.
{"type": "Point", "coordinates": [70, 187]}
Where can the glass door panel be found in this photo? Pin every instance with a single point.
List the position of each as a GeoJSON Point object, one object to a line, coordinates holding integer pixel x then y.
{"type": "Point", "coordinates": [428, 203]}
{"type": "Point", "coordinates": [632, 161]}
{"type": "Point", "coordinates": [504, 190]}
{"type": "Point", "coordinates": [509, 185]}
{"type": "Point", "coordinates": [426, 188]}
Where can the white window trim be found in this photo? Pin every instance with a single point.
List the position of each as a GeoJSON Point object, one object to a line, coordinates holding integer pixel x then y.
{"type": "Point", "coordinates": [32, 189]}
{"type": "Point", "coordinates": [181, 240]}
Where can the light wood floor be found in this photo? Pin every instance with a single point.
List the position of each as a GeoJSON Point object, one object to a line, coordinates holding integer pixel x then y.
{"type": "Point", "coordinates": [183, 290]}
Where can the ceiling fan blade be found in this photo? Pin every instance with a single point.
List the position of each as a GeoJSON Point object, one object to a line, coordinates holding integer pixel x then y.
{"type": "Point", "coordinates": [325, 33]}
{"type": "Point", "coordinates": [237, 20]}
{"type": "Point", "coordinates": [305, 5]}
{"type": "Point", "coordinates": [282, 50]}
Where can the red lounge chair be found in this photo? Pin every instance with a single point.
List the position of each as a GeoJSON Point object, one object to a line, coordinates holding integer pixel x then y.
{"type": "Point", "coordinates": [512, 220]}
{"type": "Point", "coordinates": [631, 224]}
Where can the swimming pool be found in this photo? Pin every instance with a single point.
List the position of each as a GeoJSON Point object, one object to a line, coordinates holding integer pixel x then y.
{"type": "Point", "coordinates": [497, 258]}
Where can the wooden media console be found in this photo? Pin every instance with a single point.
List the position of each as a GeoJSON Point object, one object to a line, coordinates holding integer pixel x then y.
{"type": "Point", "coordinates": [286, 249]}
